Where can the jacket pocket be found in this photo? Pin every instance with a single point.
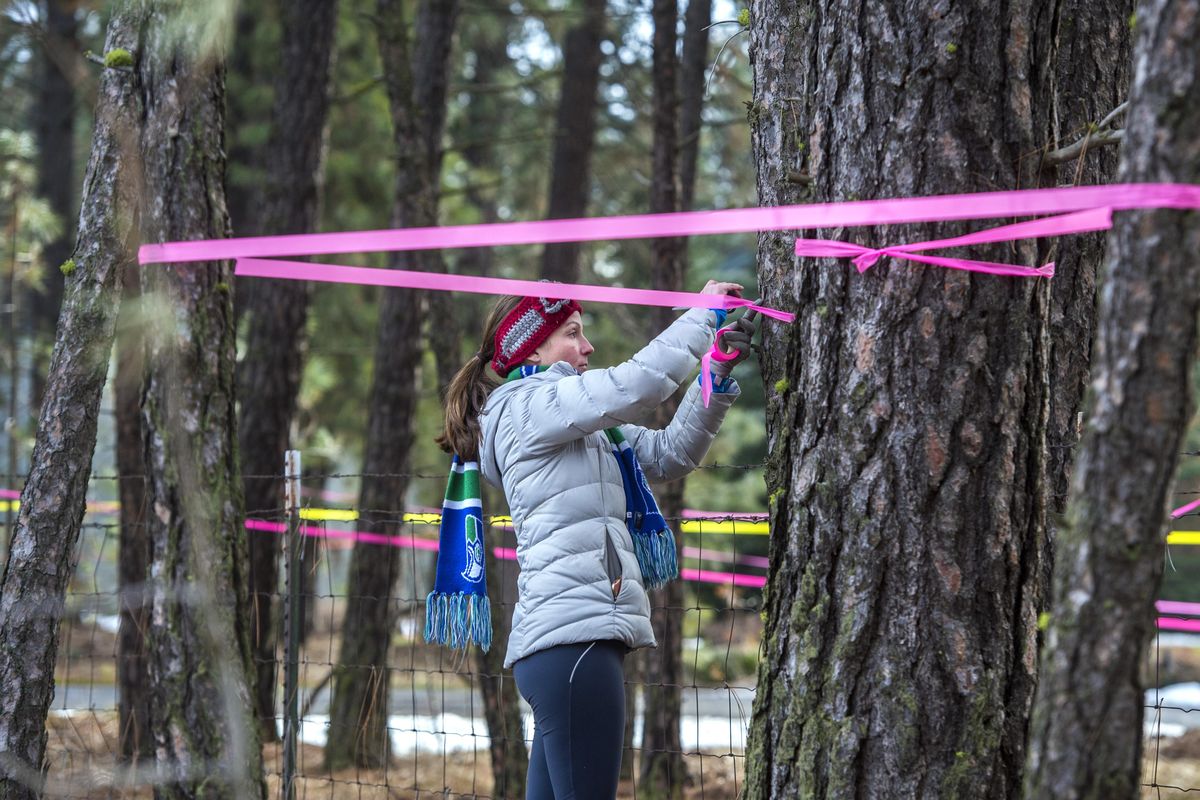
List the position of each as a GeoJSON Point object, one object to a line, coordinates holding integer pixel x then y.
{"type": "Point", "coordinates": [612, 564]}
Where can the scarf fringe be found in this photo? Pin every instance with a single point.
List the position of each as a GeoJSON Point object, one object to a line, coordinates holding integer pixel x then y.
{"type": "Point", "coordinates": [459, 619]}
{"type": "Point", "coordinates": [656, 557]}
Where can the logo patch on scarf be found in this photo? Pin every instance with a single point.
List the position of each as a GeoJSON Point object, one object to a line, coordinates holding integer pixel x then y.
{"type": "Point", "coordinates": [474, 550]}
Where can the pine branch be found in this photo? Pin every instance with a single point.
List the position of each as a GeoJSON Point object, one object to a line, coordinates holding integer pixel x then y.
{"type": "Point", "coordinates": [1097, 135]}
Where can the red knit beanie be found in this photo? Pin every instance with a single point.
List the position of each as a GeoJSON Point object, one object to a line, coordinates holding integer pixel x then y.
{"type": "Point", "coordinates": [526, 327]}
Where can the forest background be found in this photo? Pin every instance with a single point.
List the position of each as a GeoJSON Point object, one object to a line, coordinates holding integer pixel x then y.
{"type": "Point", "coordinates": [511, 117]}
{"type": "Point", "coordinates": [507, 73]}
{"type": "Point", "coordinates": [497, 165]}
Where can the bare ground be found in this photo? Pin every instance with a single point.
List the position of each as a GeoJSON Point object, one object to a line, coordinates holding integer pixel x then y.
{"type": "Point", "coordinates": [83, 763]}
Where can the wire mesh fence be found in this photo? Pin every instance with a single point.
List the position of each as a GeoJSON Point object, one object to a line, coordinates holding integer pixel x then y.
{"type": "Point", "coordinates": [441, 734]}
{"type": "Point", "coordinates": [438, 736]}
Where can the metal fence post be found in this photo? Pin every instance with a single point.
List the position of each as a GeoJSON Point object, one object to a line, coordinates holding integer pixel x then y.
{"type": "Point", "coordinates": [293, 580]}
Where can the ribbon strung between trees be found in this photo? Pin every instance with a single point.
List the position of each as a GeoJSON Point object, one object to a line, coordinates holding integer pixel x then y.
{"type": "Point", "coordinates": [1076, 209]}
{"type": "Point", "coordinates": [941, 208]}
{"type": "Point", "coordinates": [445, 282]}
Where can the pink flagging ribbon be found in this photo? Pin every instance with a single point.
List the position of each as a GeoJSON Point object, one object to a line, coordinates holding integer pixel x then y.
{"type": "Point", "coordinates": [415, 542]}
{"type": "Point", "coordinates": [1175, 624]}
{"type": "Point", "coordinates": [939, 208]}
{"type": "Point", "coordinates": [724, 556]}
{"type": "Point", "coordinates": [1076, 209]}
{"type": "Point", "coordinates": [408, 279]}
{"type": "Point", "coordinates": [1096, 219]}
{"type": "Point", "coordinates": [1179, 607]}
{"type": "Point", "coordinates": [737, 579]}
{"type": "Point", "coordinates": [1179, 512]}
{"type": "Point", "coordinates": [504, 553]}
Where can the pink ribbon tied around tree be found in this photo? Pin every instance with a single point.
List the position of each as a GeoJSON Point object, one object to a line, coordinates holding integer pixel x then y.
{"type": "Point", "coordinates": [1096, 219]}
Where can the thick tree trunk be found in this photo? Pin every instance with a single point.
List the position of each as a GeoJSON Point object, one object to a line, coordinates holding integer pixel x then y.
{"type": "Point", "coordinates": [501, 702]}
{"type": "Point", "coordinates": [417, 94]}
{"type": "Point", "coordinates": [270, 372]}
{"type": "Point", "coordinates": [1092, 63]}
{"type": "Point", "coordinates": [661, 770]}
{"type": "Point", "coordinates": [52, 503]}
{"type": "Point", "coordinates": [574, 137]}
{"type": "Point", "coordinates": [199, 654]}
{"type": "Point", "coordinates": [134, 553]}
{"type": "Point", "coordinates": [908, 415]}
{"type": "Point", "coordinates": [54, 120]}
{"type": "Point", "coordinates": [1087, 727]}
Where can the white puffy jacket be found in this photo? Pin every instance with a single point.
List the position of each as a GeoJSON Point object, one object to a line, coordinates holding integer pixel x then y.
{"type": "Point", "coordinates": [544, 445]}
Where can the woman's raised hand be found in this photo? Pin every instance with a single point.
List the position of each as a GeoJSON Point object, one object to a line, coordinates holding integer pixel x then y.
{"type": "Point", "coordinates": [722, 287]}
{"type": "Point", "coordinates": [735, 339]}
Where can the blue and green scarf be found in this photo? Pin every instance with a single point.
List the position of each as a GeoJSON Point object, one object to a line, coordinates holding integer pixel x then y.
{"type": "Point", "coordinates": [457, 611]}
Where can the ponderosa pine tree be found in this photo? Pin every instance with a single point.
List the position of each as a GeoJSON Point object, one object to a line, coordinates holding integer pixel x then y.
{"type": "Point", "coordinates": [907, 407]}
{"type": "Point", "coordinates": [147, 171]}
{"type": "Point", "coordinates": [574, 136]}
{"type": "Point", "coordinates": [198, 650]}
{"type": "Point", "coordinates": [39, 565]}
{"type": "Point", "coordinates": [1092, 62]}
{"type": "Point", "coordinates": [276, 311]}
{"type": "Point", "coordinates": [1086, 734]}
{"type": "Point", "coordinates": [415, 72]}
{"type": "Point", "coordinates": [487, 39]}
{"type": "Point", "coordinates": [661, 769]}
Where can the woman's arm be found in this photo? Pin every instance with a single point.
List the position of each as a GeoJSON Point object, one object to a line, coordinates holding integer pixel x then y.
{"type": "Point", "coordinates": [553, 412]}
{"type": "Point", "coordinates": [671, 453]}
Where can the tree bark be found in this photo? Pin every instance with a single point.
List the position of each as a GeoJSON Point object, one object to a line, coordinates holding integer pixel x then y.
{"type": "Point", "coordinates": [250, 67]}
{"type": "Point", "coordinates": [244, 198]}
{"type": "Point", "coordinates": [1092, 62]}
{"type": "Point", "coordinates": [501, 702]}
{"type": "Point", "coordinates": [693, 65]}
{"type": "Point", "coordinates": [269, 375]}
{"type": "Point", "coordinates": [54, 120]}
{"type": "Point", "coordinates": [134, 553]}
{"type": "Point", "coordinates": [417, 96]}
{"type": "Point", "coordinates": [1086, 733]}
{"type": "Point", "coordinates": [575, 137]}
{"type": "Point", "coordinates": [199, 655]}
{"type": "Point", "coordinates": [661, 770]}
{"type": "Point", "coordinates": [907, 419]}
{"type": "Point", "coordinates": [39, 565]}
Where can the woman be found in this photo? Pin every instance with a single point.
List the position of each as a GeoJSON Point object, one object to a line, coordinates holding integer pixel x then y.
{"type": "Point", "coordinates": [565, 445]}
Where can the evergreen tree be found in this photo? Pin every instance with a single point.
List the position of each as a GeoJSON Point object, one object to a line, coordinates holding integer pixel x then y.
{"type": "Point", "coordinates": [1086, 735]}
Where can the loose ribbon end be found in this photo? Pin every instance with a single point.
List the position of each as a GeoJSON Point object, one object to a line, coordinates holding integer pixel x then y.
{"type": "Point", "coordinates": [706, 385]}
{"type": "Point", "coordinates": [1047, 270]}
{"type": "Point", "coordinates": [730, 303]}
{"type": "Point", "coordinates": [867, 260]}
{"type": "Point", "coordinates": [150, 254]}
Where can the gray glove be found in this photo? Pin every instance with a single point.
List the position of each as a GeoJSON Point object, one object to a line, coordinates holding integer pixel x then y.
{"type": "Point", "coordinates": [736, 339]}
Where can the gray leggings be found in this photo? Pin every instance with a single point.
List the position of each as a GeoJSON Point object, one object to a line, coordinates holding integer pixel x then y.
{"type": "Point", "coordinates": [577, 692]}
